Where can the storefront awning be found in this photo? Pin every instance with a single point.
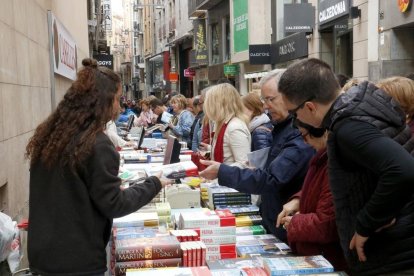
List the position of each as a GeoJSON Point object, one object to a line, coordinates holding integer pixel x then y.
{"type": "Point", "coordinates": [255, 75]}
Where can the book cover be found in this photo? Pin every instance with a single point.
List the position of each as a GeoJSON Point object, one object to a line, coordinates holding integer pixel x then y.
{"type": "Point", "coordinates": [297, 265]}
{"type": "Point", "coordinates": [137, 219]}
{"type": "Point", "coordinates": [235, 263]}
{"type": "Point", "coordinates": [175, 171]}
{"type": "Point", "coordinates": [240, 210]}
{"type": "Point", "coordinates": [122, 267]}
{"type": "Point", "coordinates": [147, 248]}
{"type": "Point", "coordinates": [258, 250]}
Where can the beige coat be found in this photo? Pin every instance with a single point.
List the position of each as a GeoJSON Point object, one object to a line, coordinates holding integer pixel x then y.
{"type": "Point", "coordinates": [237, 143]}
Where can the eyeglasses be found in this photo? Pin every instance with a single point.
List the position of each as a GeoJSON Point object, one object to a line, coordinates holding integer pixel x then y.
{"type": "Point", "coordinates": [293, 112]}
{"type": "Point", "coordinates": [267, 99]}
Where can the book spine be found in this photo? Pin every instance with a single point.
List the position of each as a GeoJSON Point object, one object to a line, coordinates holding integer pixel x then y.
{"type": "Point", "coordinates": [159, 251]}
{"type": "Point", "coordinates": [217, 231]}
{"type": "Point", "coordinates": [121, 267]}
{"type": "Point", "coordinates": [213, 257]}
{"type": "Point", "coordinates": [222, 248]}
{"type": "Point", "coordinates": [217, 240]}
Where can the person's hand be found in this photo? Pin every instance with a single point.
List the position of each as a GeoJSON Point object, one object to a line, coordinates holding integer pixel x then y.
{"type": "Point", "coordinates": [164, 181]}
{"type": "Point", "coordinates": [357, 242]}
{"type": "Point", "coordinates": [204, 147]}
{"type": "Point", "coordinates": [171, 125]}
{"type": "Point", "coordinates": [289, 209]}
{"type": "Point", "coordinates": [285, 221]}
{"type": "Point", "coordinates": [131, 144]}
{"type": "Point", "coordinates": [212, 170]}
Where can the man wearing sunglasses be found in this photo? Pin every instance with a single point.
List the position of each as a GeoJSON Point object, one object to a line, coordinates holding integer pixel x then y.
{"type": "Point", "coordinates": [371, 167]}
{"type": "Point", "coordinates": [286, 163]}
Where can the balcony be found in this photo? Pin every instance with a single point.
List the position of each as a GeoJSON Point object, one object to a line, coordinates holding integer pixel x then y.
{"type": "Point", "coordinates": [194, 7]}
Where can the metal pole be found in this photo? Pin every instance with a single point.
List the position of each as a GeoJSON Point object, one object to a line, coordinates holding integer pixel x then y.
{"type": "Point", "coordinates": [51, 61]}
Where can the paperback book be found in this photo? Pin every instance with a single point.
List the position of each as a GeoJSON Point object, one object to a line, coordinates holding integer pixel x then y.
{"type": "Point", "coordinates": [297, 265]}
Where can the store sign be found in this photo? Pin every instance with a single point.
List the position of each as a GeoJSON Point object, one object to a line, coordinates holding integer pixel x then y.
{"type": "Point", "coordinates": [231, 70]}
{"type": "Point", "coordinates": [291, 47]}
{"type": "Point", "coordinates": [330, 10]}
{"type": "Point", "coordinates": [105, 60]}
{"type": "Point", "coordinates": [189, 73]}
{"type": "Point", "coordinates": [299, 18]}
{"type": "Point", "coordinates": [201, 51]}
{"type": "Point", "coordinates": [259, 54]}
{"type": "Point", "coordinates": [64, 49]}
{"type": "Point", "coordinates": [404, 5]}
{"type": "Point", "coordinates": [173, 77]}
{"type": "Point", "coordinates": [240, 26]}
{"type": "Point", "coordinates": [107, 15]}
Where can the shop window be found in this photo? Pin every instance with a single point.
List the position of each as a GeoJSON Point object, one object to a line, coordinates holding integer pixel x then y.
{"type": "Point", "coordinates": [215, 43]}
{"type": "Point", "coordinates": [3, 197]}
{"type": "Point", "coordinates": [226, 39]}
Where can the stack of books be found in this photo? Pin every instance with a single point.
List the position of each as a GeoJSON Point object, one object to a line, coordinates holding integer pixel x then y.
{"type": "Point", "coordinates": [216, 230]}
{"type": "Point", "coordinates": [146, 252]}
{"type": "Point", "coordinates": [260, 245]}
{"type": "Point", "coordinates": [194, 253]}
{"type": "Point", "coordinates": [220, 195]}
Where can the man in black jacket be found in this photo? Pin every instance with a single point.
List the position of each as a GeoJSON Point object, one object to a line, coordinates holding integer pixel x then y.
{"type": "Point", "coordinates": [370, 166]}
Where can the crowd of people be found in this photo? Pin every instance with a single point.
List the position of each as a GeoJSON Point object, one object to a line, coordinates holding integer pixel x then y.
{"type": "Point", "coordinates": [337, 178]}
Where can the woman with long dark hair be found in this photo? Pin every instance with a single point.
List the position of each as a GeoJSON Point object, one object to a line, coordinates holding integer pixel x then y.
{"type": "Point", "coordinates": [74, 186]}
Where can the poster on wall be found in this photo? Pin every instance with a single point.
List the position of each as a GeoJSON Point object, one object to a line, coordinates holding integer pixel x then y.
{"type": "Point", "coordinates": [240, 26]}
{"type": "Point", "coordinates": [63, 49]}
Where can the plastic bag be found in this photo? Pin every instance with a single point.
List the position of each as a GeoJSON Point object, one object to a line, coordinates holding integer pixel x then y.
{"type": "Point", "coordinates": [15, 256]}
{"type": "Point", "coordinates": [7, 232]}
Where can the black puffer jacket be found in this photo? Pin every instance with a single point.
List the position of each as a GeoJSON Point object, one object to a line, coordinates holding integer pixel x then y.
{"type": "Point", "coordinates": [354, 184]}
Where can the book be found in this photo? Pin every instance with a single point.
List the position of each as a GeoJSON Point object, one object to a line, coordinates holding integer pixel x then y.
{"type": "Point", "coordinates": [297, 265]}
{"type": "Point", "coordinates": [235, 263]}
{"type": "Point", "coordinates": [132, 233]}
{"type": "Point", "coordinates": [137, 219]}
{"type": "Point", "coordinates": [206, 219]}
{"type": "Point", "coordinates": [259, 250]}
{"type": "Point", "coordinates": [161, 127]}
{"type": "Point", "coordinates": [175, 171]}
{"type": "Point", "coordinates": [216, 231]}
{"type": "Point", "coordinates": [240, 210]}
{"type": "Point", "coordinates": [176, 271]}
{"type": "Point", "coordinates": [164, 247]}
{"type": "Point", "coordinates": [250, 230]}
{"type": "Point", "coordinates": [166, 117]}
{"type": "Point", "coordinates": [248, 220]}
{"type": "Point", "coordinates": [220, 248]}
{"type": "Point", "coordinates": [122, 267]}
{"type": "Point", "coordinates": [217, 240]}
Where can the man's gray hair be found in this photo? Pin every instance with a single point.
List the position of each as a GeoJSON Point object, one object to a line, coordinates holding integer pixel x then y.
{"type": "Point", "coordinates": [272, 75]}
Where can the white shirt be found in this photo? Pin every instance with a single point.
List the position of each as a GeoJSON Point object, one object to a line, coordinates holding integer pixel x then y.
{"type": "Point", "coordinates": [112, 133]}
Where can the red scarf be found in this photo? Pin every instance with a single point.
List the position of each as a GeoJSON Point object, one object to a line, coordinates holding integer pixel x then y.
{"type": "Point", "coordinates": [218, 148]}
